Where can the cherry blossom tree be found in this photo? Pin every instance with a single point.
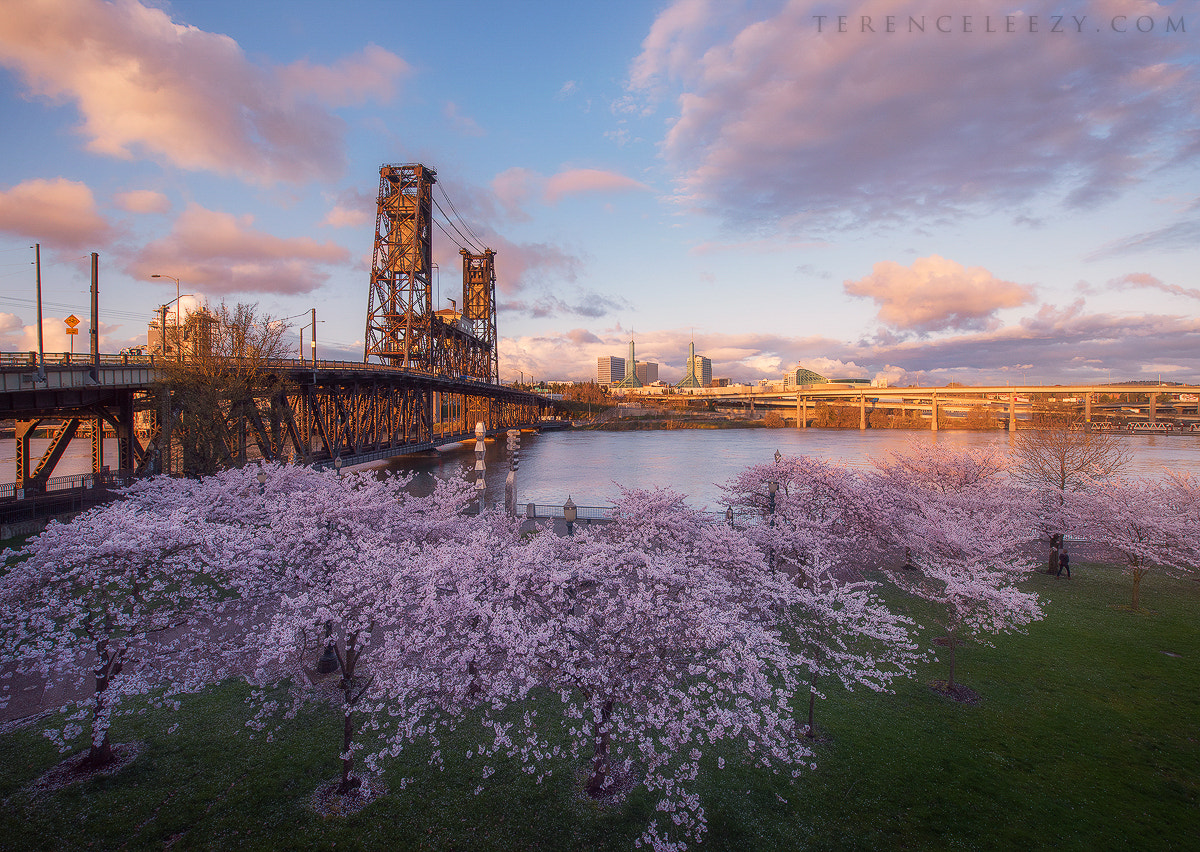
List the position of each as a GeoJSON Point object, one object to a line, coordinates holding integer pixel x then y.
{"type": "Point", "coordinates": [348, 571]}
{"type": "Point", "coordinates": [123, 598]}
{"type": "Point", "coordinates": [1152, 525]}
{"type": "Point", "coordinates": [816, 527]}
{"type": "Point", "coordinates": [660, 633]}
{"type": "Point", "coordinates": [1058, 455]}
{"type": "Point", "coordinates": [966, 528]}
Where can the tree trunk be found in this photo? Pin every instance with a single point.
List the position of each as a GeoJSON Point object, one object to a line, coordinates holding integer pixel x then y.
{"type": "Point", "coordinates": [101, 754]}
{"type": "Point", "coordinates": [600, 737]}
{"type": "Point", "coordinates": [347, 663]}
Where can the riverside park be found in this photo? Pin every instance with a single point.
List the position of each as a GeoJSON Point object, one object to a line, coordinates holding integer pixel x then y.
{"type": "Point", "coordinates": [1081, 734]}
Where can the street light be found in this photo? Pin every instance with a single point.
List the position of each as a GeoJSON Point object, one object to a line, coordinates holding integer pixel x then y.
{"type": "Point", "coordinates": [177, 297]}
{"type": "Point", "coordinates": [570, 513]}
{"type": "Point", "coordinates": [162, 320]}
{"type": "Point", "coordinates": [337, 465]}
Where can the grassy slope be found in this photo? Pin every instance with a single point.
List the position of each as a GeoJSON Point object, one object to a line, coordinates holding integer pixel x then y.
{"type": "Point", "coordinates": [1086, 738]}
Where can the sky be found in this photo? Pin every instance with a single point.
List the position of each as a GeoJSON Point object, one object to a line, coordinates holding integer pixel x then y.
{"type": "Point", "coordinates": [927, 191]}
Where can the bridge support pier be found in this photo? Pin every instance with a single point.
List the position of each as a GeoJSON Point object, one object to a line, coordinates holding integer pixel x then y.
{"type": "Point", "coordinates": [933, 413]}
{"type": "Point", "coordinates": [1012, 412]}
{"type": "Point", "coordinates": [862, 412]}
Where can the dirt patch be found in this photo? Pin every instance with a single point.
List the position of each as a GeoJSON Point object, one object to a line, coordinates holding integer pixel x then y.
{"type": "Point", "coordinates": [75, 770]}
{"type": "Point", "coordinates": [326, 801]}
{"type": "Point", "coordinates": [958, 692]}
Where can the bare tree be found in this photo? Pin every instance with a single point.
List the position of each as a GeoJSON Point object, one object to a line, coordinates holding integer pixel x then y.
{"type": "Point", "coordinates": [1060, 455]}
{"type": "Point", "coordinates": [222, 386]}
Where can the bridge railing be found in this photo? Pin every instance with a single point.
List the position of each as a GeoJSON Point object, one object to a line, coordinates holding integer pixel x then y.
{"type": "Point", "coordinates": [29, 360]}
{"type": "Point", "coordinates": [79, 481]}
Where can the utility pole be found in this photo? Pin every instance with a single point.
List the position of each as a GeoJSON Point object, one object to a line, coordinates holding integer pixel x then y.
{"type": "Point", "coordinates": [162, 328]}
{"type": "Point", "coordinates": [314, 338]}
{"type": "Point", "coordinates": [94, 331]}
{"type": "Point", "coordinates": [37, 259]}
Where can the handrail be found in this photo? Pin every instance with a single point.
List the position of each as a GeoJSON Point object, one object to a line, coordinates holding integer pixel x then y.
{"type": "Point", "coordinates": [29, 360]}
{"type": "Point", "coordinates": [104, 479]}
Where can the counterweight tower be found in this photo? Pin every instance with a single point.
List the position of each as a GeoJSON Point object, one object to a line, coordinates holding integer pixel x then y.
{"type": "Point", "coordinates": [479, 311]}
{"type": "Point", "coordinates": [400, 304]}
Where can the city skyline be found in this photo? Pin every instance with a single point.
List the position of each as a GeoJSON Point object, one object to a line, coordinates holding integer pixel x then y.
{"type": "Point", "coordinates": [909, 189]}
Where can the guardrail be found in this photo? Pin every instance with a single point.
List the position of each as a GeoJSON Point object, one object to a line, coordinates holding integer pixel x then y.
{"type": "Point", "coordinates": [85, 481]}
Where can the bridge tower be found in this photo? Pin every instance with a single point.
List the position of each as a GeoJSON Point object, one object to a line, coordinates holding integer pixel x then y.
{"type": "Point", "coordinates": [479, 310]}
{"type": "Point", "coordinates": [400, 302]}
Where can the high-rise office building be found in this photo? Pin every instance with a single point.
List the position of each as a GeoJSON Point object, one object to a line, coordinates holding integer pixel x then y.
{"type": "Point", "coordinates": [702, 370]}
{"type": "Point", "coordinates": [609, 370]}
{"type": "Point", "coordinates": [647, 372]}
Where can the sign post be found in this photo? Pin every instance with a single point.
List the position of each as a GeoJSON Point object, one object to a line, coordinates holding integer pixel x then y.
{"type": "Point", "coordinates": [72, 321]}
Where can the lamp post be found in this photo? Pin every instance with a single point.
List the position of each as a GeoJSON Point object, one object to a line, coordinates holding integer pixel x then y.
{"type": "Point", "coordinates": [570, 514]}
{"type": "Point", "coordinates": [337, 465]}
{"type": "Point", "coordinates": [162, 321]}
{"type": "Point", "coordinates": [178, 352]}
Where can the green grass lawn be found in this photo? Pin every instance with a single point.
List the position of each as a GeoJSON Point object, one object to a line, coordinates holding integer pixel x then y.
{"type": "Point", "coordinates": [1087, 737]}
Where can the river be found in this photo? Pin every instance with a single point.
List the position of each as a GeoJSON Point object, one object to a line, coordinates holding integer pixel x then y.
{"type": "Point", "coordinates": [589, 466]}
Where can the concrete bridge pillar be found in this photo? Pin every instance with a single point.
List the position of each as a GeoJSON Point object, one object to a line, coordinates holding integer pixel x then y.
{"type": "Point", "coordinates": [1087, 407]}
{"type": "Point", "coordinates": [801, 411]}
{"type": "Point", "coordinates": [862, 411]}
{"type": "Point", "coordinates": [933, 424]}
{"type": "Point", "coordinates": [1012, 412]}
{"type": "Point", "coordinates": [1153, 407]}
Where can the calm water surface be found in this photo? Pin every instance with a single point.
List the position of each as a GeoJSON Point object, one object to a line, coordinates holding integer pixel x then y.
{"type": "Point", "coordinates": [589, 466]}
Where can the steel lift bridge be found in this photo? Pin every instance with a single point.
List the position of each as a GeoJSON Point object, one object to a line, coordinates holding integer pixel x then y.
{"type": "Point", "coordinates": [427, 377]}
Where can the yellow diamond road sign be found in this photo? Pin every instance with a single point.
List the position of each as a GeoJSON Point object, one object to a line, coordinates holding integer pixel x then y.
{"type": "Point", "coordinates": [72, 320]}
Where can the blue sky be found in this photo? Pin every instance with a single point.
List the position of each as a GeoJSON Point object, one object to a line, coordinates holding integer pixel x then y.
{"type": "Point", "coordinates": [1010, 195]}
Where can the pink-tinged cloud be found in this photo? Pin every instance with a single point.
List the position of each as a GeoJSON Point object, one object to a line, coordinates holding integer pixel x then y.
{"type": "Point", "coordinates": [59, 213]}
{"type": "Point", "coordinates": [936, 294]}
{"type": "Point", "coordinates": [577, 181]}
{"type": "Point", "coordinates": [351, 208]}
{"type": "Point", "coordinates": [773, 119]}
{"type": "Point", "coordinates": [142, 201]}
{"type": "Point", "coordinates": [1148, 281]}
{"type": "Point", "coordinates": [462, 124]}
{"type": "Point", "coordinates": [372, 74]}
{"type": "Point", "coordinates": [516, 187]}
{"type": "Point", "coordinates": [146, 86]}
{"type": "Point", "coordinates": [220, 254]}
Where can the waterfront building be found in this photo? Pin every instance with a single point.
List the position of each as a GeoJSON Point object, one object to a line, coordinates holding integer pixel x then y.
{"type": "Point", "coordinates": [799, 377]}
{"type": "Point", "coordinates": [631, 377]}
{"type": "Point", "coordinates": [647, 372]}
{"type": "Point", "coordinates": [609, 370]}
{"type": "Point", "coordinates": [699, 370]}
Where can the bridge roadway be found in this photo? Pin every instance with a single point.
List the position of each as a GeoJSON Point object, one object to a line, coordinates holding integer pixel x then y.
{"type": "Point", "coordinates": [313, 413]}
{"type": "Point", "coordinates": [1005, 399]}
